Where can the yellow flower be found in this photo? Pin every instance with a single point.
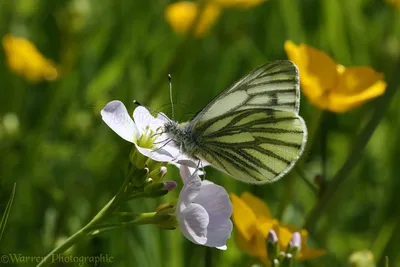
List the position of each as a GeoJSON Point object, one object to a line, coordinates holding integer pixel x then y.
{"type": "Point", "coordinates": [395, 3]}
{"type": "Point", "coordinates": [331, 86]}
{"type": "Point", "coordinates": [239, 3]}
{"type": "Point", "coordinates": [253, 220]}
{"type": "Point", "coordinates": [25, 59]}
{"type": "Point", "coordinates": [182, 15]}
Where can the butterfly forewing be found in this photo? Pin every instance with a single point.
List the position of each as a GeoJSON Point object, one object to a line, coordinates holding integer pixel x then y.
{"type": "Point", "coordinates": [252, 130]}
{"type": "Point", "coordinates": [274, 85]}
{"type": "Point", "coordinates": [255, 145]}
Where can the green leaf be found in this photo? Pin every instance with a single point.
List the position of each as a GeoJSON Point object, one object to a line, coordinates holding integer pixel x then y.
{"type": "Point", "coordinates": [7, 212]}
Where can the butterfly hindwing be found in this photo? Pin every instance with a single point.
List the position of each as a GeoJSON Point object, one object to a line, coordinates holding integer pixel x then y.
{"type": "Point", "coordinates": [256, 145]}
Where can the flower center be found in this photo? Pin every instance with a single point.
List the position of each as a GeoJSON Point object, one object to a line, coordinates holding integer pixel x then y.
{"type": "Point", "coordinates": [147, 139]}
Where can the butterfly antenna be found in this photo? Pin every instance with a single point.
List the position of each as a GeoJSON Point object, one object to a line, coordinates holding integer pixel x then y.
{"type": "Point", "coordinates": [170, 96]}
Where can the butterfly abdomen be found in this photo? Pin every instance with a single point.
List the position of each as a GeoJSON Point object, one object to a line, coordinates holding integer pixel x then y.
{"type": "Point", "coordinates": [184, 137]}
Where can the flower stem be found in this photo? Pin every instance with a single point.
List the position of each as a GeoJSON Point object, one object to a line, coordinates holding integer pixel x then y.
{"type": "Point", "coordinates": [79, 235]}
{"type": "Point", "coordinates": [84, 231]}
{"type": "Point", "coordinates": [312, 131]}
{"type": "Point", "coordinates": [355, 154]}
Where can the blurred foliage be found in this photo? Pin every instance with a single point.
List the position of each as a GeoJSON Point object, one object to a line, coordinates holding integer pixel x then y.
{"type": "Point", "coordinates": [68, 163]}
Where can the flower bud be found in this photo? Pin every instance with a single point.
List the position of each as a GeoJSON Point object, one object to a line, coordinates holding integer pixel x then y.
{"type": "Point", "coordinates": [272, 245]}
{"type": "Point", "coordinates": [158, 174]}
{"type": "Point", "coordinates": [138, 176]}
{"type": "Point", "coordinates": [159, 189]}
{"type": "Point", "coordinates": [294, 244]}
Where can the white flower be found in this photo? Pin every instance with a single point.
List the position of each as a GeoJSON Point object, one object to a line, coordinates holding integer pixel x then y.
{"type": "Point", "coordinates": [144, 131]}
{"type": "Point", "coordinates": [204, 211]}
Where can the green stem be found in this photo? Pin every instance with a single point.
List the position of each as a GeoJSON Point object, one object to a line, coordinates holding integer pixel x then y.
{"type": "Point", "coordinates": [355, 154]}
{"type": "Point", "coordinates": [84, 231]}
{"type": "Point", "coordinates": [312, 131]}
{"type": "Point", "coordinates": [141, 218]}
{"type": "Point", "coordinates": [75, 238]}
{"type": "Point", "coordinates": [306, 180]}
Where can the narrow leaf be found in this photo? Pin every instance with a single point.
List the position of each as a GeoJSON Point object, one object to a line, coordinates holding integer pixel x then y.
{"type": "Point", "coordinates": [4, 219]}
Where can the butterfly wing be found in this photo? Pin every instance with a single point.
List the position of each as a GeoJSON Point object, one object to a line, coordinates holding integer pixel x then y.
{"type": "Point", "coordinates": [274, 85]}
{"type": "Point", "coordinates": [252, 130]}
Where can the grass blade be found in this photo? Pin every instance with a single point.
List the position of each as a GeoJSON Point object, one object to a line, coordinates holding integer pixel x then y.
{"type": "Point", "coordinates": [4, 219]}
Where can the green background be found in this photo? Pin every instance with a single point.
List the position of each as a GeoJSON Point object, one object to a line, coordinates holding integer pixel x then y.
{"type": "Point", "coordinates": [67, 163]}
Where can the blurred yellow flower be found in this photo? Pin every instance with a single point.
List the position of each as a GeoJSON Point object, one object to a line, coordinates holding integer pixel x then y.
{"type": "Point", "coordinates": [182, 15]}
{"type": "Point", "coordinates": [331, 86]}
{"type": "Point", "coordinates": [253, 220]}
{"type": "Point", "coordinates": [25, 59]}
{"type": "Point", "coordinates": [395, 3]}
{"type": "Point", "coordinates": [239, 3]}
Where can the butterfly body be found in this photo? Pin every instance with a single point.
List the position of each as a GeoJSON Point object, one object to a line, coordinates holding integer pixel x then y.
{"type": "Point", "coordinates": [252, 130]}
{"type": "Point", "coordinates": [184, 137]}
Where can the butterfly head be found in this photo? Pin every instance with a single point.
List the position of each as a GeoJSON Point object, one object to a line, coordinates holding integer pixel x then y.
{"type": "Point", "coordinates": [183, 136]}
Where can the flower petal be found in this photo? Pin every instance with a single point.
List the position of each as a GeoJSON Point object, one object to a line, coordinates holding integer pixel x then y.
{"type": "Point", "coordinates": [185, 174]}
{"type": "Point", "coordinates": [244, 218]}
{"type": "Point", "coordinates": [157, 154]}
{"type": "Point", "coordinates": [259, 207]}
{"type": "Point", "coordinates": [218, 232]}
{"type": "Point", "coordinates": [182, 14]}
{"type": "Point", "coordinates": [115, 115]}
{"type": "Point", "coordinates": [317, 70]}
{"type": "Point", "coordinates": [144, 120]}
{"type": "Point", "coordinates": [215, 200]}
{"type": "Point", "coordinates": [193, 222]}
{"type": "Point", "coordinates": [189, 191]}
{"type": "Point", "coordinates": [356, 85]}
{"type": "Point", "coordinates": [161, 116]}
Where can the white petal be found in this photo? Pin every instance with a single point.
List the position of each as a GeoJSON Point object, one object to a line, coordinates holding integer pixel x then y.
{"type": "Point", "coordinates": [192, 170]}
{"type": "Point", "coordinates": [218, 231]}
{"type": "Point", "coordinates": [160, 155]}
{"type": "Point", "coordinates": [115, 115]}
{"type": "Point", "coordinates": [206, 182]}
{"type": "Point", "coordinates": [215, 200]}
{"type": "Point", "coordinates": [185, 173]}
{"type": "Point", "coordinates": [182, 159]}
{"type": "Point", "coordinates": [193, 222]}
{"type": "Point", "coordinates": [189, 192]}
{"type": "Point", "coordinates": [144, 119]}
{"type": "Point", "coordinates": [163, 117]}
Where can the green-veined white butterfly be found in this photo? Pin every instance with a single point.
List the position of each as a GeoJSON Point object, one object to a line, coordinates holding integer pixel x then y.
{"type": "Point", "coordinates": [252, 130]}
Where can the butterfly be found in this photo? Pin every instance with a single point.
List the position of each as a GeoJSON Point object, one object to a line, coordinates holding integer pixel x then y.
{"type": "Point", "coordinates": [252, 131]}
